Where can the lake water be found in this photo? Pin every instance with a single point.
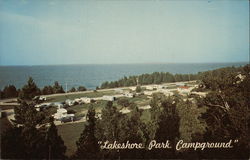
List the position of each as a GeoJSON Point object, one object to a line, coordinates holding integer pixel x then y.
{"type": "Point", "coordinates": [91, 76]}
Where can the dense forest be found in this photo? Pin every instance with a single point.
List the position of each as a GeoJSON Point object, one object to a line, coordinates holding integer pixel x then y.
{"type": "Point", "coordinates": [221, 116]}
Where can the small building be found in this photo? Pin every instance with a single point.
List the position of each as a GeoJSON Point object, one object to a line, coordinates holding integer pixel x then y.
{"type": "Point", "coordinates": [184, 89]}
{"type": "Point", "coordinates": [180, 84]}
{"type": "Point", "coordinates": [108, 98]}
{"type": "Point", "coordinates": [86, 99]}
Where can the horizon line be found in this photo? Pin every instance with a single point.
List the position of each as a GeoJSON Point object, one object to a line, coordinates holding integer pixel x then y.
{"type": "Point", "coordinates": [30, 65]}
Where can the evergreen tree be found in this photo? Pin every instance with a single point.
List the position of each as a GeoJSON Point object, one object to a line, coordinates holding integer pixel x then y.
{"type": "Point", "coordinates": [73, 89]}
{"type": "Point", "coordinates": [81, 88]}
{"type": "Point", "coordinates": [57, 88]}
{"type": "Point", "coordinates": [12, 144]}
{"type": "Point", "coordinates": [10, 91]}
{"type": "Point", "coordinates": [87, 145]}
{"type": "Point", "coordinates": [47, 90]}
{"type": "Point", "coordinates": [54, 143]}
{"type": "Point", "coordinates": [29, 91]}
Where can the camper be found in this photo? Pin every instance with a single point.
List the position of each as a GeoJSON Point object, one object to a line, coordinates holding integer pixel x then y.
{"type": "Point", "coordinates": [108, 98]}
{"type": "Point", "coordinates": [86, 100]}
{"type": "Point", "coordinates": [69, 102]}
{"type": "Point", "coordinates": [62, 115]}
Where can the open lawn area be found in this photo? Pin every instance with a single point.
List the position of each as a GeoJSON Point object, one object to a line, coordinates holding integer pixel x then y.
{"type": "Point", "coordinates": [70, 133]}
{"type": "Point", "coordinates": [81, 109]}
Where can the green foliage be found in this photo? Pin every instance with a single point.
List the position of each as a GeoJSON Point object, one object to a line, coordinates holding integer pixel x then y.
{"type": "Point", "coordinates": [47, 90]}
{"type": "Point", "coordinates": [228, 113]}
{"type": "Point", "coordinates": [31, 138]}
{"type": "Point", "coordinates": [9, 92]}
{"type": "Point", "coordinates": [191, 125]}
{"type": "Point", "coordinates": [138, 89]}
{"type": "Point", "coordinates": [12, 145]}
{"type": "Point", "coordinates": [73, 89]}
{"type": "Point", "coordinates": [123, 102]}
{"type": "Point", "coordinates": [153, 78]}
{"type": "Point", "coordinates": [81, 88]}
{"type": "Point", "coordinates": [87, 145]}
{"type": "Point", "coordinates": [29, 91]}
{"type": "Point", "coordinates": [57, 88]}
{"type": "Point", "coordinates": [54, 143]}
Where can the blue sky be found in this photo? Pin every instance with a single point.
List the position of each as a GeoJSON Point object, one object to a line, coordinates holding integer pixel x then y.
{"type": "Point", "coordinates": [41, 32]}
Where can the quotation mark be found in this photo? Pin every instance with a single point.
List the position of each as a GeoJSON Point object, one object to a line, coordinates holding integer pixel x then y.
{"type": "Point", "coordinates": [236, 141]}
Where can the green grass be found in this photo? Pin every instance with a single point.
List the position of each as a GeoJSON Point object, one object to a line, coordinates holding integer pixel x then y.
{"type": "Point", "coordinates": [146, 116]}
{"type": "Point", "coordinates": [83, 108]}
{"type": "Point", "coordinates": [70, 133]}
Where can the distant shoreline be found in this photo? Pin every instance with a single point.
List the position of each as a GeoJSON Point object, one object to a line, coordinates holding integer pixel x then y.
{"type": "Point", "coordinates": [134, 63]}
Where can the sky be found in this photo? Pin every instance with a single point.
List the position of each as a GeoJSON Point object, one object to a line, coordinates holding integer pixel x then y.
{"type": "Point", "coordinates": [48, 32]}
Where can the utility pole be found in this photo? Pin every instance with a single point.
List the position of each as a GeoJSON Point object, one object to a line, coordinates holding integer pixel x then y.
{"type": "Point", "coordinates": [66, 87]}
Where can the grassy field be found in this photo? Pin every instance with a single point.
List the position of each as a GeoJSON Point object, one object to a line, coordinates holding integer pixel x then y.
{"type": "Point", "coordinates": [70, 133]}
{"type": "Point", "coordinates": [81, 109]}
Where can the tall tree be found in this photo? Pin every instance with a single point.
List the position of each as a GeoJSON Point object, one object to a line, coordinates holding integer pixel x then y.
{"type": "Point", "coordinates": [87, 145]}
{"type": "Point", "coordinates": [57, 88]}
{"type": "Point", "coordinates": [29, 91]}
{"type": "Point", "coordinates": [10, 91]}
{"type": "Point", "coordinates": [54, 143]}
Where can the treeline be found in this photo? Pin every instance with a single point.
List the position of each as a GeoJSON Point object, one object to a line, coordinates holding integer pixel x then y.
{"type": "Point", "coordinates": [160, 77]}
{"type": "Point", "coordinates": [30, 90]}
{"type": "Point", "coordinates": [154, 78]}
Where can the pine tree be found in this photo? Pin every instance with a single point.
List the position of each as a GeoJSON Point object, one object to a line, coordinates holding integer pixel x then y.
{"type": "Point", "coordinates": [54, 143]}
{"type": "Point", "coordinates": [87, 145]}
{"type": "Point", "coordinates": [29, 91]}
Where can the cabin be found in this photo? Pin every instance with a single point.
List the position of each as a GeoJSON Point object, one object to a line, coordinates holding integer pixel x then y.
{"type": "Point", "coordinates": [184, 89]}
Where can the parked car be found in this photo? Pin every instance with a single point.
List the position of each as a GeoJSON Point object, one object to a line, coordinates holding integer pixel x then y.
{"type": "Point", "coordinates": [67, 119]}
